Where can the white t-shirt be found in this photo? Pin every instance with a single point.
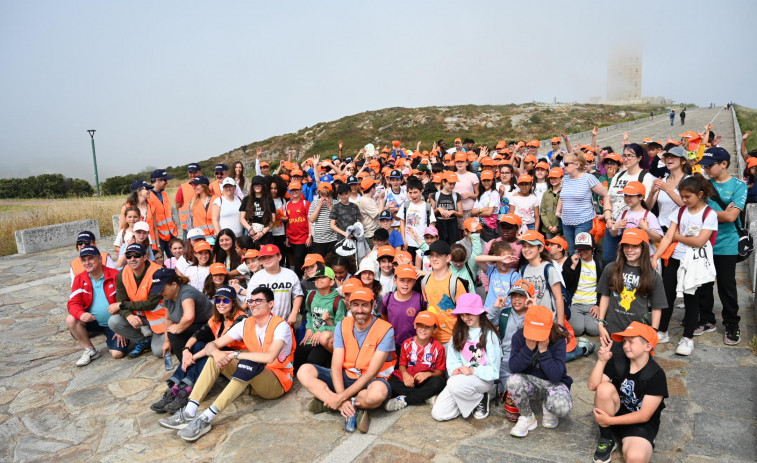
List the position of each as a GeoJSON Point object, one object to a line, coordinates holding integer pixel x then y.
{"type": "Point", "coordinates": [540, 189]}
{"type": "Point", "coordinates": [181, 265]}
{"type": "Point", "coordinates": [282, 332]}
{"type": "Point", "coordinates": [197, 276]}
{"type": "Point", "coordinates": [279, 230]}
{"type": "Point", "coordinates": [621, 179]}
{"type": "Point", "coordinates": [122, 237]}
{"type": "Point", "coordinates": [229, 214]}
{"type": "Point", "coordinates": [285, 286]}
{"type": "Point", "coordinates": [395, 200]}
{"type": "Point", "coordinates": [415, 218]}
{"type": "Point", "coordinates": [524, 207]}
{"type": "Point", "coordinates": [465, 184]}
{"type": "Point", "coordinates": [667, 206]}
{"type": "Point", "coordinates": [691, 225]}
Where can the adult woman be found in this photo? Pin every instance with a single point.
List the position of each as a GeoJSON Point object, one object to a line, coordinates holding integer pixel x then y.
{"type": "Point", "coordinates": [225, 249]}
{"type": "Point", "coordinates": [225, 209]}
{"type": "Point", "coordinates": [575, 206]}
{"type": "Point", "coordinates": [140, 191]}
{"type": "Point", "coordinates": [200, 213]}
{"type": "Point", "coordinates": [257, 212]}
{"type": "Point", "coordinates": [634, 156]}
{"type": "Point", "coordinates": [277, 188]}
{"type": "Point", "coordinates": [239, 176]}
{"type": "Point", "coordinates": [319, 213]}
{"type": "Point", "coordinates": [467, 185]}
{"type": "Point", "coordinates": [665, 191]}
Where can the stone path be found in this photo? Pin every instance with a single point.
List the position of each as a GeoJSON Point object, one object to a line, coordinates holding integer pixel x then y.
{"type": "Point", "coordinates": [50, 410]}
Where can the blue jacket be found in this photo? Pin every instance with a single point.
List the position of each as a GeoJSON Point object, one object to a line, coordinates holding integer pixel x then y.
{"type": "Point", "coordinates": [549, 365]}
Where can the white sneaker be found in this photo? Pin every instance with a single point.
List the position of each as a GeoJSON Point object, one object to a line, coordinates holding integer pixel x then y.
{"type": "Point", "coordinates": [548, 419]}
{"type": "Point", "coordinates": [397, 403]}
{"type": "Point", "coordinates": [431, 400]}
{"type": "Point", "coordinates": [87, 356]}
{"type": "Point", "coordinates": [524, 424]}
{"type": "Point", "coordinates": [663, 337]}
{"type": "Point", "coordinates": [685, 346]}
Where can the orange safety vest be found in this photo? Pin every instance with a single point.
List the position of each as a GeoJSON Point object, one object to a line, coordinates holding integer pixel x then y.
{"type": "Point", "coordinates": [203, 218]}
{"type": "Point", "coordinates": [163, 217]}
{"type": "Point", "coordinates": [358, 358]}
{"type": "Point", "coordinates": [215, 188]}
{"type": "Point", "coordinates": [188, 193]}
{"type": "Point", "coordinates": [284, 371]}
{"type": "Point", "coordinates": [77, 266]}
{"type": "Point", "coordinates": [215, 327]}
{"type": "Point", "coordinates": [157, 316]}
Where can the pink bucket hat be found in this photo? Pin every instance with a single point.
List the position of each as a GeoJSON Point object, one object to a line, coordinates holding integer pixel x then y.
{"type": "Point", "coordinates": [469, 303]}
{"type": "Point", "coordinates": [431, 231]}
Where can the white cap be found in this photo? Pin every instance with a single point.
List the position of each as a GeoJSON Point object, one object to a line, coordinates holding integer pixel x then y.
{"type": "Point", "coordinates": [141, 225]}
{"type": "Point", "coordinates": [370, 265]}
{"type": "Point", "coordinates": [228, 181]}
{"type": "Point", "coordinates": [195, 233]}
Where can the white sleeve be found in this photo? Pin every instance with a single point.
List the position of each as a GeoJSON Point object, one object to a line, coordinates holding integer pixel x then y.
{"type": "Point", "coordinates": [284, 332]}
{"type": "Point", "coordinates": [237, 331]}
{"type": "Point", "coordinates": [711, 222]}
{"type": "Point", "coordinates": [296, 286]}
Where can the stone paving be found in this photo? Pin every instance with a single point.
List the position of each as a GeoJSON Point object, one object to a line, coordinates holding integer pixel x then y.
{"type": "Point", "coordinates": [50, 410]}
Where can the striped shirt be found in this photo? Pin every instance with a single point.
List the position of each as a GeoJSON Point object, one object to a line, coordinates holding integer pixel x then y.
{"type": "Point", "coordinates": [586, 291]}
{"type": "Point", "coordinates": [321, 228]}
{"type": "Point", "coordinates": [577, 205]}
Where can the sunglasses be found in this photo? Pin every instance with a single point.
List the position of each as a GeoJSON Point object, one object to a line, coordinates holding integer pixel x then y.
{"type": "Point", "coordinates": [224, 300]}
{"type": "Point", "coordinates": [219, 174]}
{"type": "Point", "coordinates": [132, 256]}
{"type": "Point", "coordinates": [84, 243]}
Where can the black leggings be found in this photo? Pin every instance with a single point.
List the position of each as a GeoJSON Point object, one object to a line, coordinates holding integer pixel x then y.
{"type": "Point", "coordinates": [317, 355]}
{"type": "Point", "coordinates": [322, 248]}
{"type": "Point", "coordinates": [693, 303]}
{"type": "Point", "coordinates": [280, 242]}
{"type": "Point", "coordinates": [298, 252]}
{"type": "Point", "coordinates": [418, 394]}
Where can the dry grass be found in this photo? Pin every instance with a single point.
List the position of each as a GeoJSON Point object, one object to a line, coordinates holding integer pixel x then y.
{"type": "Point", "coordinates": [22, 214]}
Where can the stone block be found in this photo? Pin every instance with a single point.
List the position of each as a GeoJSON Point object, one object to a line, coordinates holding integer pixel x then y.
{"type": "Point", "coordinates": [115, 223]}
{"type": "Point", "coordinates": [53, 236]}
{"type": "Point", "coordinates": [752, 261]}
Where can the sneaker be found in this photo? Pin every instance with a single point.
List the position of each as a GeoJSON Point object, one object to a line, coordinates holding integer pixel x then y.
{"type": "Point", "coordinates": [685, 346]}
{"type": "Point", "coordinates": [663, 337]}
{"type": "Point", "coordinates": [548, 419]}
{"type": "Point", "coordinates": [432, 400]}
{"type": "Point", "coordinates": [179, 401]}
{"type": "Point", "coordinates": [586, 345]}
{"type": "Point", "coordinates": [605, 447]}
{"type": "Point", "coordinates": [87, 356]}
{"type": "Point", "coordinates": [397, 403]}
{"type": "Point", "coordinates": [317, 406]}
{"type": "Point", "coordinates": [482, 409]}
{"type": "Point", "coordinates": [732, 335]}
{"type": "Point", "coordinates": [140, 348]}
{"type": "Point", "coordinates": [702, 329]}
{"type": "Point", "coordinates": [524, 424]}
{"type": "Point", "coordinates": [362, 421]}
{"type": "Point", "coordinates": [196, 429]}
{"type": "Point", "coordinates": [160, 405]}
{"type": "Point", "coordinates": [178, 420]}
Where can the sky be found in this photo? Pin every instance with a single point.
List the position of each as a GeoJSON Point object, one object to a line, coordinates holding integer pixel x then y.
{"type": "Point", "coordinates": [171, 82]}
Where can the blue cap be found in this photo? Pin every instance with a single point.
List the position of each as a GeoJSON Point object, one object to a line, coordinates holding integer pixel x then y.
{"type": "Point", "coordinates": [160, 174]}
{"type": "Point", "coordinates": [136, 248]}
{"type": "Point", "coordinates": [226, 291]}
{"type": "Point", "coordinates": [334, 158]}
{"type": "Point", "coordinates": [200, 180]}
{"type": "Point", "coordinates": [86, 235]}
{"type": "Point", "coordinates": [386, 215]}
{"type": "Point", "coordinates": [160, 278]}
{"type": "Point", "coordinates": [89, 251]}
{"type": "Point", "coordinates": [352, 180]}
{"type": "Point", "coordinates": [221, 167]}
{"type": "Point", "coordinates": [193, 167]}
{"type": "Point", "coordinates": [327, 178]}
{"type": "Point", "coordinates": [348, 159]}
{"type": "Point", "coordinates": [139, 184]}
{"type": "Point", "coordinates": [395, 174]}
{"type": "Point", "coordinates": [713, 155]}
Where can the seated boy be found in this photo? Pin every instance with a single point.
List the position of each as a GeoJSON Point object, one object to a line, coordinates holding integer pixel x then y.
{"type": "Point", "coordinates": [630, 393]}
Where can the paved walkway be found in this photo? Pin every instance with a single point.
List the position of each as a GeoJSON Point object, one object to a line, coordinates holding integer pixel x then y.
{"type": "Point", "coordinates": [50, 410]}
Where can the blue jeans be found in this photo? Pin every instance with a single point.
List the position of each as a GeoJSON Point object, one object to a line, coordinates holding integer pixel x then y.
{"type": "Point", "coordinates": [570, 232]}
{"type": "Point", "coordinates": [324, 374]}
{"type": "Point", "coordinates": [110, 337]}
{"type": "Point", "coordinates": [610, 247]}
{"type": "Point", "coordinates": [531, 226]}
{"type": "Point", "coordinates": [189, 377]}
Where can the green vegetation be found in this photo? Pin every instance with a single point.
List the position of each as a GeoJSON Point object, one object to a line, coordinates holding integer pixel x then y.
{"type": "Point", "coordinates": [44, 186]}
{"type": "Point", "coordinates": [748, 121]}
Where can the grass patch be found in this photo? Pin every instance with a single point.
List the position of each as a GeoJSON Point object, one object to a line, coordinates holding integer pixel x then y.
{"type": "Point", "coordinates": [753, 345]}
{"type": "Point", "coordinates": [748, 121]}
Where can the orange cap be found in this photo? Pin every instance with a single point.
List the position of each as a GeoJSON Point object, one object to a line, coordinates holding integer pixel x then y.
{"type": "Point", "coordinates": [297, 173]}
{"type": "Point", "coordinates": [264, 164]}
{"type": "Point", "coordinates": [426, 318]}
{"type": "Point", "coordinates": [589, 157]}
{"type": "Point", "coordinates": [362, 174]}
{"type": "Point", "coordinates": [560, 241]}
{"type": "Point", "coordinates": [556, 172]}
{"type": "Point", "coordinates": [361, 294]}
{"type": "Point", "coordinates": [588, 148]}
{"type": "Point", "coordinates": [533, 144]}
{"type": "Point", "coordinates": [284, 177]}
{"type": "Point", "coordinates": [647, 140]}
{"type": "Point", "coordinates": [487, 161]}
{"type": "Point", "coordinates": [351, 285]}
{"type": "Point", "coordinates": [218, 268]}
{"type": "Point", "coordinates": [325, 186]}
{"type": "Point", "coordinates": [395, 143]}
{"type": "Point", "coordinates": [530, 158]}
{"type": "Point", "coordinates": [751, 162]}
{"type": "Point", "coordinates": [437, 178]}
{"type": "Point", "coordinates": [521, 143]}
{"type": "Point", "coordinates": [404, 254]}
{"type": "Point", "coordinates": [512, 219]}
{"type": "Point", "coordinates": [524, 287]}
{"type": "Point", "coordinates": [472, 156]}
{"type": "Point", "coordinates": [638, 329]}
{"type": "Point", "coordinates": [489, 175]}
{"type": "Point", "coordinates": [542, 165]}
{"type": "Point", "coordinates": [525, 178]}
{"type": "Point", "coordinates": [461, 157]}
{"type": "Point", "coordinates": [252, 254]}
{"type": "Point", "coordinates": [538, 323]}
{"type": "Point", "coordinates": [201, 246]}
{"type": "Point", "coordinates": [458, 140]}
{"type": "Point", "coordinates": [312, 259]}
{"type": "Point", "coordinates": [634, 236]}
{"type": "Point", "coordinates": [472, 224]}
{"type": "Point", "coordinates": [384, 251]}
{"type": "Point", "coordinates": [634, 188]}
{"type": "Point", "coordinates": [406, 271]}
{"type": "Point", "coordinates": [367, 183]}
{"type": "Point", "coordinates": [532, 237]}
{"type": "Point", "coordinates": [555, 140]}
{"type": "Point", "coordinates": [295, 186]}
{"type": "Point", "coordinates": [613, 157]}
{"type": "Point", "coordinates": [500, 145]}
{"type": "Point", "coordinates": [450, 176]}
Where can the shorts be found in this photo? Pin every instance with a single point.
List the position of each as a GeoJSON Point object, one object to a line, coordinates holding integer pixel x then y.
{"type": "Point", "coordinates": [94, 328]}
{"type": "Point", "coordinates": [324, 374]}
{"type": "Point", "coordinates": [645, 430]}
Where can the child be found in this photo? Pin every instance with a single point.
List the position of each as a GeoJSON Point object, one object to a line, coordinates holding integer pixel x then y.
{"type": "Point", "coordinates": [385, 256]}
{"type": "Point", "coordinates": [141, 235]}
{"type": "Point", "coordinates": [395, 197]}
{"type": "Point", "coordinates": [395, 237]}
{"type": "Point", "coordinates": [486, 207]}
{"type": "Point", "coordinates": [691, 268]}
{"type": "Point", "coordinates": [449, 206]}
{"type": "Point", "coordinates": [525, 204]}
{"type": "Point", "coordinates": [125, 234]}
{"type": "Point", "coordinates": [498, 269]}
{"type": "Point", "coordinates": [430, 234]}
{"type": "Point", "coordinates": [324, 308]}
{"type": "Point", "coordinates": [218, 277]}
{"type": "Point", "coordinates": [637, 215]}
{"type": "Point", "coordinates": [420, 376]}
{"type": "Point", "coordinates": [464, 254]}
{"type": "Point", "coordinates": [542, 185]}
{"type": "Point", "coordinates": [581, 276]}
{"type": "Point", "coordinates": [367, 272]}
{"type": "Point", "coordinates": [199, 270]}
{"type": "Point", "coordinates": [380, 238]}
{"type": "Point", "coordinates": [344, 213]}
{"type": "Point", "coordinates": [543, 274]}
{"type": "Point", "coordinates": [176, 259]}
{"type": "Point", "coordinates": [473, 359]}
{"type": "Point", "coordinates": [246, 270]}
{"type": "Point", "coordinates": [441, 290]}
{"type": "Point", "coordinates": [511, 317]}
{"type": "Point", "coordinates": [630, 287]}
{"type": "Point", "coordinates": [415, 213]}
{"type": "Point", "coordinates": [400, 306]}
{"type": "Point", "coordinates": [558, 251]}
{"type": "Point", "coordinates": [298, 233]}
{"type": "Point", "coordinates": [630, 393]}
{"type": "Point", "coordinates": [537, 362]}
{"type": "Point", "coordinates": [550, 223]}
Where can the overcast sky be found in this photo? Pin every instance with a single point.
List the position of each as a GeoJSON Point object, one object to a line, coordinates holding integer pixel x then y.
{"type": "Point", "coordinates": [170, 82]}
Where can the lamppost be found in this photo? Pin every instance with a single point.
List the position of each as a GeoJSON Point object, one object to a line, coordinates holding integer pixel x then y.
{"type": "Point", "coordinates": [94, 159]}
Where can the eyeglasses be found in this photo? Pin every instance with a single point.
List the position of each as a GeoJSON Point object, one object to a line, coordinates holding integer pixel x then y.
{"type": "Point", "coordinates": [255, 301]}
{"type": "Point", "coordinates": [224, 300]}
{"type": "Point", "coordinates": [132, 256]}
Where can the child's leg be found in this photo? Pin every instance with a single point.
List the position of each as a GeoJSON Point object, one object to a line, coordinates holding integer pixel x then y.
{"type": "Point", "coordinates": [669, 282]}
{"type": "Point", "coordinates": [399, 388]}
{"type": "Point", "coordinates": [432, 386]}
{"type": "Point", "coordinates": [577, 318]}
{"type": "Point", "coordinates": [606, 398]}
{"type": "Point", "coordinates": [465, 391]}
{"type": "Point", "coordinates": [559, 401]}
{"type": "Point", "coordinates": [524, 388]}
{"type": "Point", "coordinates": [691, 316]}
{"type": "Point", "coordinates": [445, 407]}
{"type": "Point", "coordinates": [637, 449]}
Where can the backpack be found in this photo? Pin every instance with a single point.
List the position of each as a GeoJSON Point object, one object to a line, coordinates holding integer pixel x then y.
{"type": "Point", "coordinates": [642, 174]}
{"type": "Point", "coordinates": [474, 276]}
{"type": "Point", "coordinates": [746, 243]}
{"type": "Point", "coordinates": [567, 300]}
{"type": "Point", "coordinates": [429, 212]}
{"type": "Point", "coordinates": [311, 296]}
{"type": "Point", "coordinates": [454, 199]}
{"type": "Point", "coordinates": [707, 210]}
{"type": "Point", "coordinates": [453, 279]}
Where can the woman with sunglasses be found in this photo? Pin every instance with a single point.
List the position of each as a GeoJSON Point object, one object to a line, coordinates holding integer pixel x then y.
{"type": "Point", "coordinates": [226, 313]}
{"type": "Point", "coordinates": [575, 207]}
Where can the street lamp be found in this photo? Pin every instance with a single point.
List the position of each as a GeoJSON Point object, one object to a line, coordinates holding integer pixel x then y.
{"type": "Point", "coordinates": [94, 159]}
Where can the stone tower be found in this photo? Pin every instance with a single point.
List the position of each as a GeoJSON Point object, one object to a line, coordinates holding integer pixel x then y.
{"type": "Point", "coordinates": [624, 74]}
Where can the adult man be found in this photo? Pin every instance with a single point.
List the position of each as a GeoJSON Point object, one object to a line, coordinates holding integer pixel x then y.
{"type": "Point", "coordinates": [458, 147]}
{"type": "Point", "coordinates": [221, 172]}
{"type": "Point", "coordinates": [162, 226]}
{"type": "Point", "coordinates": [184, 195]}
{"type": "Point", "coordinates": [266, 366]}
{"type": "Point", "coordinates": [282, 281]}
{"type": "Point", "coordinates": [93, 290]}
{"type": "Point", "coordinates": [135, 314]}
{"type": "Point", "coordinates": [83, 239]}
{"type": "Point", "coordinates": [363, 358]}
{"type": "Point", "coordinates": [556, 150]}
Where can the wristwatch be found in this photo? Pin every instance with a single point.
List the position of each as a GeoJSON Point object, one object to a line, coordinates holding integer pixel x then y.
{"type": "Point", "coordinates": [236, 355]}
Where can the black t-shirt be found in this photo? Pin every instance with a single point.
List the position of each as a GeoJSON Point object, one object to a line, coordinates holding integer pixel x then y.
{"type": "Point", "coordinates": [447, 202]}
{"type": "Point", "coordinates": [257, 215]}
{"type": "Point", "coordinates": [628, 306]}
{"type": "Point", "coordinates": [632, 389]}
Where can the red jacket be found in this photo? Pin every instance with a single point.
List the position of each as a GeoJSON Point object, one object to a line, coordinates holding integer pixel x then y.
{"type": "Point", "coordinates": [81, 291]}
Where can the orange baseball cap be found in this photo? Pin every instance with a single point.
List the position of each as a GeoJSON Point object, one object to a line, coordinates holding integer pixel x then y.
{"type": "Point", "coordinates": [634, 236]}
{"type": "Point", "coordinates": [589, 157]}
{"type": "Point", "coordinates": [269, 250]}
{"type": "Point", "coordinates": [556, 172]}
{"type": "Point", "coordinates": [201, 246]}
{"type": "Point", "coordinates": [312, 259]}
{"type": "Point", "coordinates": [252, 254]}
{"type": "Point", "coordinates": [437, 178]}
{"type": "Point", "coordinates": [634, 188]}
{"type": "Point", "coordinates": [218, 268]}
{"type": "Point", "coordinates": [284, 177]}
{"type": "Point", "coordinates": [325, 186]}
{"type": "Point", "coordinates": [542, 165]}
{"type": "Point", "coordinates": [556, 140]}
{"type": "Point", "coordinates": [458, 140]}
{"type": "Point", "coordinates": [264, 164]}
{"type": "Point", "coordinates": [406, 271]}
{"type": "Point", "coordinates": [297, 173]}
{"type": "Point", "coordinates": [500, 145]}
{"type": "Point", "coordinates": [521, 143]}
{"type": "Point", "coordinates": [367, 183]}
{"type": "Point", "coordinates": [512, 219]}
{"type": "Point", "coordinates": [472, 156]}
{"type": "Point", "coordinates": [588, 148]}
{"type": "Point", "coordinates": [534, 144]}
{"type": "Point", "coordinates": [426, 318]}
{"type": "Point", "coordinates": [384, 251]}
{"type": "Point", "coordinates": [487, 161]}
{"type": "Point", "coordinates": [395, 143]}
{"type": "Point", "coordinates": [532, 237]}
{"type": "Point", "coordinates": [351, 285]}
{"type": "Point", "coordinates": [472, 224]}
{"type": "Point", "coordinates": [523, 287]}
{"type": "Point", "coordinates": [751, 162]}
{"type": "Point", "coordinates": [404, 254]}
{"type": "Point", "coordinates": [560, 241]}
{"type": "Point", "coordinates": [461, 157]}
{"type": "Point", "coordinates": [489, 175]}
{"type": "Point", "coordinates": [613, 157]}
{"type": "Point", "coordinates": [525, 178]}
{"type": "Point", "coordinates": [295, 186]}
{"type": "Point", "coordinates": [530, 158]}
{"type": "Point", "coordinates": [450, 176]}
{"type": "Point", "coordinates": [538, 323]}
{"type": "Point", "coordinates": [362, 174]}
{"type": "Point", "coordinates": [361, 294]}
{"type": "Point", "coordinates": [638, 329]}
{"type": "Point", "coordinates": [647, 140]}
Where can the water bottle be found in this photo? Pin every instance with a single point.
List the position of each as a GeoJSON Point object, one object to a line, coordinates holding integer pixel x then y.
{"type": "Point", "coordinates": [349, 423]}
{"type": "Point", "coordinates": [167, 360]}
